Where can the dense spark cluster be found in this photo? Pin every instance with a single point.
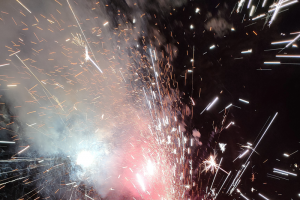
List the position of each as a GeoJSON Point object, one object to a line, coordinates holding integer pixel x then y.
{"type": "Point", "coordinates": [92, 115]}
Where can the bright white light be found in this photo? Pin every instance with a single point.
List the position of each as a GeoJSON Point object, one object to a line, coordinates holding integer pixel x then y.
{"type": "Point", "coordinates": [212, 103]}
{"type": "Point", "coordinates": [288, 56]}
{"type": "Point", "coordinates": [228, 106]}
{"type": "Point", "coordinates": [286, 155]}
{"type": "Point", "coordinates": [191, 26]}
{"type": "Point", "coordinates": [11, 85]}
{"type": "Point", "coordinates": [105, 23]}
{"type": "Point", "coordinates": [222, 147]}
{"type": "Point", "coordinates": [259, 16]}
{"type": "Point", "coordinates": [282, 6]}
{"type": "Point", "coordinates": [240, 5]}
{"type": "Point", "coordinates": [85, 159]}
{"type": "Point", "coordinates": [249, 143]}
{"type": "Point", "coordinates": [197, 10]}
{"type": "Point", "coordinates": [4, 64]}
{"type": "Point", "coordinates": [263, 196]}
{"type": "Point", "coordinates": [232, 29]}
{"type": "Point", "coordinates": [252, 11]}
{"type": "Point", "coordinates": [249, 3]}
{"type": "Point", "coordinates": [133, 21]}
{"type": "Point", "coordinates": [248, 51]}
{"type": "Point", "coordinates": [264, 3]}
{"type": "Point", "coordinates": [86, 53]}
{"type": "Point", "coordinates": [244, 196]}
{"type": "Point", "coordinates": [279, 170]}
{"type": "Point", "coordinates": [141, 182]}
{"type": "Point", "coordinates": [150, 167]}
{"type": "Point", "coordinates": [282, 42]}
{"type": "Point", "coordinates": [190, 71]}
{"type": "Point", "coordinates": [292, 41]}
{"type": "Point", "coordinates": [242, 100]}
{"type": "Point", "coordinates": [7, 142]}
{"type": "Point", "coordinates": [272, 63]}
{"type": "Point", "coordinates": [229, 125]}
{"type": "Point", "coordinates": [244, 153]}
{"type": "Point", "coordinates": [211, 47]}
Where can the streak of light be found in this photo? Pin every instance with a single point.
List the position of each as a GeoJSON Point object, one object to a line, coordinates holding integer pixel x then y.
{"type": "Point", "coordinates": [249, 3]}
{"type": "Point", "coordinates": [295, 33]}
{"type": "Point", "coordinates": [229, 125]}
{"type": "Point", "coordinates": [213, 103]}
{"type": "Point", "coordinates": [272, 63]}
{"type": "Point", "coordinates": [7, 142]}
{"type": "Point", "coordinates": [89, 197]}
{"type": "Point", "coordinates": [249, 143]}
{"type": "Point", "coordinates": [274, 4]}
{"type": "Point", "coordinates": [277, 177]}
{"type": "Point", "coordinates": [242, 155]}
{"type": "Point", "coordinates": [259, 16]}
{"type": "Point", "coordinates": [216, 173]}
{"type": "Point", "coordinates": [105, 23]}
{"type": "Point", "coordinates": [282, 42]}
{"type": "Point", "coordinates": [14, 53]}
{"type": "Point", "coordinates": [140, 180]}
{"type": "Point", "coordinates": [24, 6]}
{"type": "Point", "coordinates": [263, 196]}
{"type": "Point", "coordinates": [272, 49]}
{"type": "Point", "coordinates": [278, 172]}
{"type": "Point", "coordinates": [228, 106]}
{"type": "Point", "coordinates": [4, 64]}
{"type": "Point", "coordinates": [11, 85]}
{"type": "Point", "coordinates": [190, 71]}
{"type": "Point", "coordinates": [278, 6]}
{"type": "Point", "coordinates": [212, 47]}
{"type": "Point", "coordinates": [292, 2]}
{"type": "Point", "coordinates": [244, 196]}
{"type": "Point", "coordinates": [197, 10]}
{"type": "Point", "coordinates": [262, 135]}
{"type": "Point", "coordinates": [240, 5]}
{"type": "Point", "coordinates": [248, 51]}
{"type": "Point", "coordinates": [95, 65]}
{"type": "Point", "coordinates": [223, 184]}
{"type": "Point", "coordinates": [293, 152]}
{"type": "Point", "coordinates": [296, 38]}
{"type": "Point", "coordinates": [242, 100]}
{"type": "Point", "coordinates": [251, 24]}
{"type": "Point", "coordinates": [122, 76]}
{"type": "Point", "coordinates": [192, 101]}
{"type": "Point", "coordinates": [252, 11]}
{"type": "Point", "coordinates": [82, 31]}
{"type": "Point", "coordinates": [285, 172]}
{"type": "Point", "coordinates": [288, 56]}
{"type": "Point", "coordinates": [264, 3]}
{"type": "Point", "coordinates": [23, 150]}
{"type": "Point", "coordinates": [286, 155]}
